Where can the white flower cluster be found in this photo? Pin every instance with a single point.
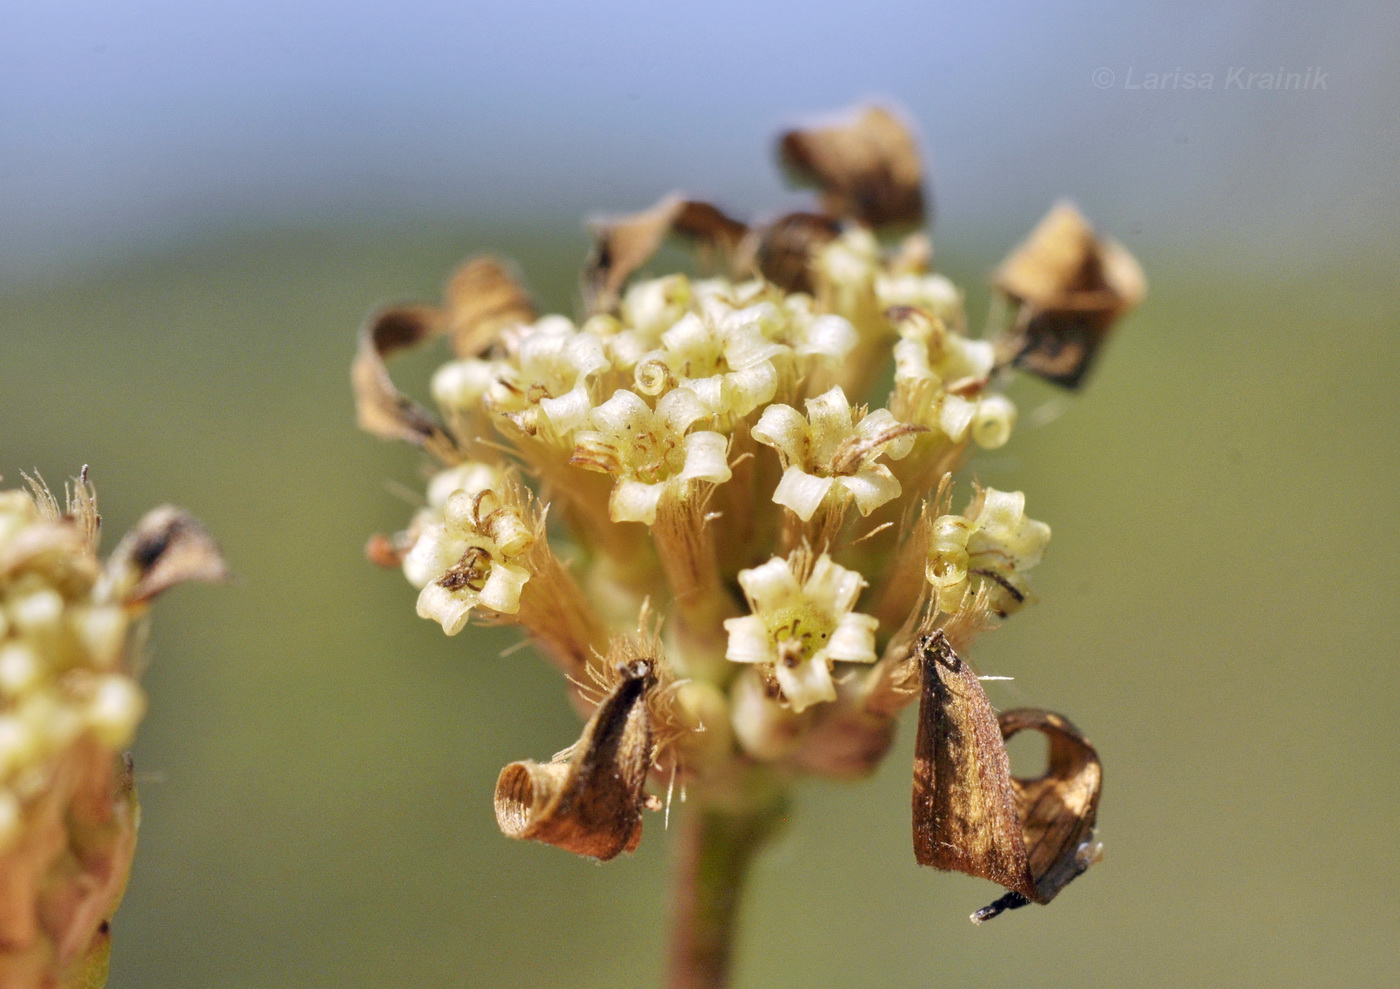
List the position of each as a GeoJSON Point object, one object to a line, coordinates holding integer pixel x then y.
{"type": "Point", "coordinates": [718, 416]}
{"type": "Point", "coordinates": [63, 637]}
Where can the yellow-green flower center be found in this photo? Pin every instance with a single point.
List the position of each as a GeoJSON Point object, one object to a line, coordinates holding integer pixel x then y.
{"type": "Point", "coordinates": [799, 631]}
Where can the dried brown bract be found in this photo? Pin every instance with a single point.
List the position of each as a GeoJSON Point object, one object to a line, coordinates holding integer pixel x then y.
{"type": "Point", "coordinates": [970, 815]}
{"type": "Point", "coordinates": [169, 546]}
{"type": "Point", "coordinates": [866, 169]}
{"type": "Point", "coordinates": [590, 804]}
{"type": "Point", "coordinates": [1071, 287]}
{"type": "Point", "coordinates": [483, 298]}
{"type": "Point", "coordinates": [382, 409]}
{"type": "Point", "coordinates": [783, 251]}
{"type": "Point", "coordinates": [622, 245]}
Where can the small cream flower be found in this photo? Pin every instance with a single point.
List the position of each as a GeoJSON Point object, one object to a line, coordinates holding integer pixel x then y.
{"type": "Point", "coordinates": [927, 349]}
{"type": "Point", "coordinates": [472, 477]}
{"type": "Point", "coordinates": [802, 622]}
{"type": "Point", "coordinates": [469, 559]}
{"type": "Point", "coordinates": [650, 452]}
{"type": "Point", "coordinates": [848, 266]}
{"type": "Point", "coordinates": [542, 385]}
{"type": "Point", "coordinates": [653, 306]}
{"type": "Point", "coordinates": [994, 540]}
{"type": "Point", "coordinates": [939, 380]}
{"type": "Point", "coordinates": [727, 362]}
{"type": "Point", "coordinates": [833, 448]}
{"type": "Point", "coordinates": [791, 320]}
{"type": "Point", "coordinates": [934, 294]}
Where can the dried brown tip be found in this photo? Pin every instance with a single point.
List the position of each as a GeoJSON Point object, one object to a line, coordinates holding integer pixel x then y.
{"type": "Point", "coordinates": [484, 297]}
{"type": "Point", "coordinates": [623, 245]}
{"type": "Point", "coordinates": [168, 546]}
{"type": "Point", "coordinates": [383, 551]}
{"type": "Point", "coordinates": [380, 407]}
{"type": "Point", "coordinates": [1072, 287]}
{"type": "Point", "coordinates": [1032, 836]}
{"type": "Point", "coordinates": [591, 804]}
{"type": "Point", "coordinates": [783, 251]}
{"type": "Point", "coordinates": [866, 169]}
{"type": "Point", "coordinates": [1060, 807]}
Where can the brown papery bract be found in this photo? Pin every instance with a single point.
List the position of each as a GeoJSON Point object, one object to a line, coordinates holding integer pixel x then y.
{"type": "Point", "coordinates": [623, 245]}
{"type": "Point", "coordinates": [483, 298]}
{"type": "Point", "coordinates": [867, 169]}
{"type": "Point", "coordinates": [590, 804]}
{"type": "Point", "coordinates": [970, 815]}
{"type": "Point", "coordinates": [1072, 287]}
{"type": "Point", "coordinates": [382, 409]}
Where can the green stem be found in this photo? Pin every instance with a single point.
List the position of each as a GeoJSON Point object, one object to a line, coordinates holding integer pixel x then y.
{"type": "Point", "coordinates": [714, 851]}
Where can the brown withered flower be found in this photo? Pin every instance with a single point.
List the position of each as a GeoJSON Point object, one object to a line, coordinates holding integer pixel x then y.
{"type": "Point", "coordinates": [752, 564]}
{"type": "Point", "coordinates": [70, 632]}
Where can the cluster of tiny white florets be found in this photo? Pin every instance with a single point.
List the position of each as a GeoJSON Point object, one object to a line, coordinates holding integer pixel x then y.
{"type": "Point", "coordinates": [718, 418]}
{"type": "Point", "coordinates": [63, 653]}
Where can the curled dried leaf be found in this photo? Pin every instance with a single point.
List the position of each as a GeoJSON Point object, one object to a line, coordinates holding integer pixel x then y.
{"type": "Point", "coordinates": [380, 407]}
{"type": "Point", "coordinates": [590, 804]}
{"type": "Point", "coordinates": [1072, 287]}
{"type": "Point", "coordinates": [1058, 809]}
{"type": "Point", "coordinates": [866, 169]}
{"type": "Point", "coordinates": [623, 245]}
{"type": "Point", "coordinates": [484, 297]}
{"type": "Point", "coordinates": [168, 546]}
{"type": "Point", "coordinates": [1033, 836]}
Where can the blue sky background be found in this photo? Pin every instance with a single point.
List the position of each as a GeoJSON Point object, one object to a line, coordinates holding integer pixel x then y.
{"type": "Point", "coordinates": [125, 124]}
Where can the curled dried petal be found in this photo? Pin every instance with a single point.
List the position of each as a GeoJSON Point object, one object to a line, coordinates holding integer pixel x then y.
{"type": "Point", "coordinates": [783, 251]}
{"type": "Point", "coordinates": [380, 407]}
{"type": "Point", "coordinates": [483, 298]}
{"type": "Point", "coordinates": [623, 245]}
{"type": "Point", "coordinates": [1060, 807]}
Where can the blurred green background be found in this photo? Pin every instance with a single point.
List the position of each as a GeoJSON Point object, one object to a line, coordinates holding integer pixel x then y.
{"type": "Point", "coordinates": [1217, 607]}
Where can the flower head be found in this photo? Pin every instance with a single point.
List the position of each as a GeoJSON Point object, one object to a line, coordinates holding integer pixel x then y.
{"type": "Point", "coordinates": [751, 628]}
{"type": "Point", "coordinates": [69, 705]}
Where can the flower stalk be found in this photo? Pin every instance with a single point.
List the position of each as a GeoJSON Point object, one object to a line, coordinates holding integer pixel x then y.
{"type": "Point", "coordinates": [715, 849]}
